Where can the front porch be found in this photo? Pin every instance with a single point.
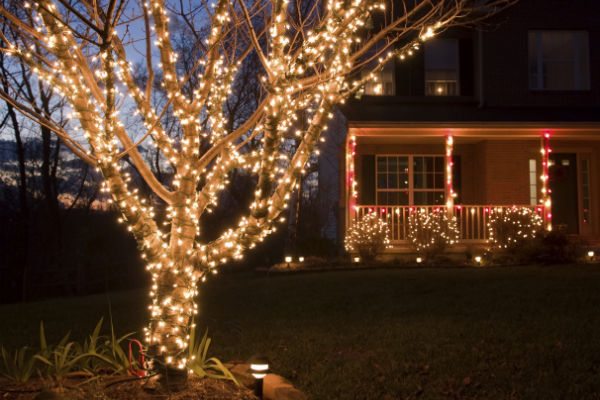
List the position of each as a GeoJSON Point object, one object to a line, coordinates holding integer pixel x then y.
{"type": "Point", "coordinates": [472, 173]}
{"type": "Point", "coordinates": [472, 220]}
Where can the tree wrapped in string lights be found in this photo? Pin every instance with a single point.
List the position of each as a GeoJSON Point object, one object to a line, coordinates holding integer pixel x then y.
{"type": "Point", "coordinates": [367, 236]}
{"type": "Point", "coordinates": [431, 231]}
{"type": "Point", "coordinates": [509, 228]}
{"type": "Point", "coordinates": [309, 55]}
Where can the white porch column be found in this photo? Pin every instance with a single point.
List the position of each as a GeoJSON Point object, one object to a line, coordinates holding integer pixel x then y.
{"type": "Point", "coordinates": [546, 198]}
{"type": "Point", "coordinates": [449, 189]}
{"type": "Point", "coordinates": [351, 185]}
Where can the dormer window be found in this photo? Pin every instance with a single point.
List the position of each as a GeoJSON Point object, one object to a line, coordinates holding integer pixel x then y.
{"type": "Point", "coordinates": [441, 68]}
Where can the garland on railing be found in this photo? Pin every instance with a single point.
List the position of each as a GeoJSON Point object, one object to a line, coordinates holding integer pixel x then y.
{"type": "Point", "coordinates": [367, 236]}
{"type": "Point", "coordinates": [432, 231]}
{"type": "Point", "coordinates": [508, 228]}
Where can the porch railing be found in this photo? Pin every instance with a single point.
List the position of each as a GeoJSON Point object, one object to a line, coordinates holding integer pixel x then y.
{"type": "Point", "coordinates": [471, 219]}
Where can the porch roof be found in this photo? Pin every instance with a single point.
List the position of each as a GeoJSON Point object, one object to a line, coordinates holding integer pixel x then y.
{"type": "Point", "coordinates": [434, 132]}
{"type": "Point", "coordinates": [376, 111]}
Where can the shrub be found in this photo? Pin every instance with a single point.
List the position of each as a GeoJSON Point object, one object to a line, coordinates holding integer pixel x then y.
{"type": "Point", "coordinates": [554, 247]}
{"type": "Point", "coordinates": [512, 228]}
{"type": "Point", "coordinates": [367, 236]}
{"type": "Point", "coordinates": [431, 232]}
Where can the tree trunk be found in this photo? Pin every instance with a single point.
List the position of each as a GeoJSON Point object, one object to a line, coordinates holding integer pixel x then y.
{"type": "Point", "coordinates": [175, 292]}
{"type": "Point", "coordinates": [23, 215]}
{"type": "Point", "coordinates": [53, 226]}
{"type": "Point", "coordinates": [20, 271]}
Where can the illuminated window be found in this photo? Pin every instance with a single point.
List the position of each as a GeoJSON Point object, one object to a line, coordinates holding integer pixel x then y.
{"type": "Point", "coordinates": [533, 191]}
{"type": "Point", "coordinates": [441, 67]}
{"type": "Point", "coordinates": [410, 180]}
{"type": "Point", "coordinates": [385, 84]}
{"type": "Point", "coordinates": [559, 60]}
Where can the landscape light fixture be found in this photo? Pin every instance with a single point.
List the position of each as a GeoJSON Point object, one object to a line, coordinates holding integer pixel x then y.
{"type": "Point", "coordinates": [301, 259]}
{"type": "Point", "coordinates": [419, 260]}
{"type": "Point", "coordinates": [288, 260]}
{"type": "Point", "coordinates": [591, 255]}
{"type": "Point", "coordinates": [259, 365]}
{"type": "Point", "coordinates": [478, 260]}
{"type": "Point", "coordinates": [356, 260]}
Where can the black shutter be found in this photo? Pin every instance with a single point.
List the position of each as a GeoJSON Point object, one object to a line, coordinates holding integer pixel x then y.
{"type": "Point", "coordinates": [366, 184]}
{"type": "Point", "coordinates": [466, 67]}
{"type": "Point", "coordinates": [456, 178]}
{"type": "Point", "coordinates": [417, 61]}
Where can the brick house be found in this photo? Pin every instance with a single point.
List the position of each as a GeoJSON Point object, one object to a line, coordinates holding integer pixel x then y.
{"type": "Point", "coordinates": [479, 120]}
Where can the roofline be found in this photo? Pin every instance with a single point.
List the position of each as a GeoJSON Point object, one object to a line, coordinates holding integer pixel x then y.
{"type": "Point", "coordinates": [475, 124]}
{"type": "Point", "coordinates": [478, 130]}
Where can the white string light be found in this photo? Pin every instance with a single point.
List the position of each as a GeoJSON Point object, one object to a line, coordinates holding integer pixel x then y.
{"type": "Point", "coordinates": [303, 77]}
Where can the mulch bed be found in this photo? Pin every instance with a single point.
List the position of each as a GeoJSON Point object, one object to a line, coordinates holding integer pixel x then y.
{"type": "Point", "coordinates": [122, 388]}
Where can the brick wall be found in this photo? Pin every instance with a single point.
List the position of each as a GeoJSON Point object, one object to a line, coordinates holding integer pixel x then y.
{"type": "Point", "coordinates": [506, 170]}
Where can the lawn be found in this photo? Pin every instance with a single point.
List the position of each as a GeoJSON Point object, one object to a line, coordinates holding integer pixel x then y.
{"type": "Point", "coordinates": [501, 333]}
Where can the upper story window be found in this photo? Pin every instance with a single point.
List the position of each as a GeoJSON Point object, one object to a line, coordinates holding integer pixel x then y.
{"type": "Point", "coordinates": [441, 68]}
{"type": "Point", "coordinates": [385, 85]}
{"type": "Point", "coordinates": [559, 60]}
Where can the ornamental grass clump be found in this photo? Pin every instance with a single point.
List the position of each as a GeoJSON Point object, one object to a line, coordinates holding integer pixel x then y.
{"type": "Point", "coordinates": [430, 232]}
{"type": "Point", "coordinates": [511, 228]}
{"type": "Point", "coordinates": [98, 355]}
{"type": "Point", "coordinates": [368, 236]}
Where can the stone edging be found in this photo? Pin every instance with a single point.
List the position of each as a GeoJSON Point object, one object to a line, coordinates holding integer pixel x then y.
{"type": "Point", "coordinates": [275, 386]}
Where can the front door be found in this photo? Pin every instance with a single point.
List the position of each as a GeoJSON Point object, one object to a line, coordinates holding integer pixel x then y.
{"type": "Point", "coordinates": [563, 186]}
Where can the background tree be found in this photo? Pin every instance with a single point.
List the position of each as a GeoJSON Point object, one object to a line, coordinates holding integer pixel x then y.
{"type": "Point", "coordinates": [39, 186]}
{"type": "Point", "coordinates": [307, 56]}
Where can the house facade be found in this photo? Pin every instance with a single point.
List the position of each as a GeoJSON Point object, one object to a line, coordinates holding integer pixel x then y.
{"type": "Point", "coordinates": [480, 120]}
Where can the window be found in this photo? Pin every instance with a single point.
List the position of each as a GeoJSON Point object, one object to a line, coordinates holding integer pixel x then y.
{"type": "Point", "coordinates": [559, 60]}
{"type": "Point", "coordinates": [393, 180]}
{"type": "Point", "coordinates": [385, 84]}
{"type": "Point", "coordinates": [428, 177]}
{"type": "Point", "coordinates": [410, 180]}
{"type": "Point", "coordinates": [441, 67]}
{"type": "Point", "coordinates": [533, 193]}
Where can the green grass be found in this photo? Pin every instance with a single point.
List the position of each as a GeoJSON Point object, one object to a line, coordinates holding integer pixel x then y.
{"type": "Point", "coordinates": [503, 333]}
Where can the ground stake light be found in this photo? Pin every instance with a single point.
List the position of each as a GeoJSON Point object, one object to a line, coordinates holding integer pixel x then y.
{"type": "Point", "coordinates": [591, 255]}
{"type": "Point", "coordinates": [478, 260]}
{"type": "Point", "coordinates": [260, 368]}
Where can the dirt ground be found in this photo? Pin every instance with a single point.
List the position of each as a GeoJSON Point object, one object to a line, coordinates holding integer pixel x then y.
{"type": "Point", "coordinates": [122, 388]}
